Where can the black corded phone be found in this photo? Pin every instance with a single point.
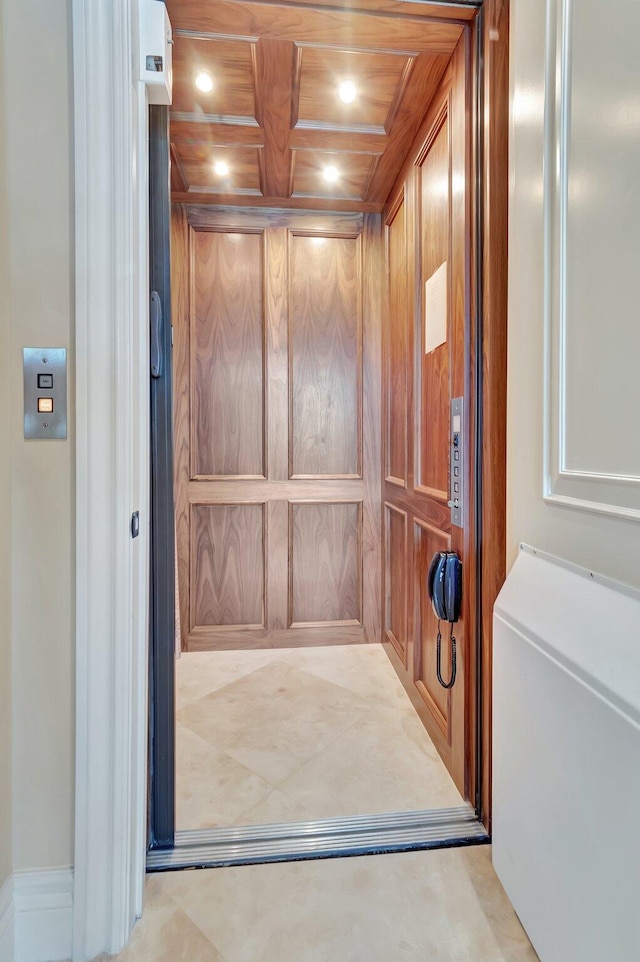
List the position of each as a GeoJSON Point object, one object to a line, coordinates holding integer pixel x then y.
{"type": "Point", "coordinates": [444, 584]}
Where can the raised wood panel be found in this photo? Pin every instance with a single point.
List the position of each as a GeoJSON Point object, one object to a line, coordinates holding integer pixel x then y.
{"type": "Point", "coordinates": [438, 228]}
{"type": "Point", "coordinates": [355, 171]}
{"type": "Point", "coordinates": [276, 69]}
{"type": "Point", "coordinates": [180, 319]}
{"type": "Point", "coordinates": [197, 163]}
{"type": "Point", "coordinates": [229, 63]}
{"type": "Point", "coordinates": [377, 77]}
{"type": "Point", "coordinates": [227, 562]}
{"type": "Point", "coordinates": [326, 564]}
{"type": "Point", "coordinates": [325, 350]}
{"type": "Point", "coordinates": [396, 576]}
{"type": "Point", "coordinates": [435, 379]}
{"type": "Point", "coordinates": [427, 541]}
{"type": "Point", "coordinates": [227, 354]}
{"type": "Point", "coordinates": [396, 346]}
{"type": "Point", "coordinates": [260, 258]}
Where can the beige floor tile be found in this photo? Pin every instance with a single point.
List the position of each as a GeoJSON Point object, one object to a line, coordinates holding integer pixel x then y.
{"type": "Point", "coordinates": [167, 934]}
{"type": "Point", "coordinates": [200, 672]}
{"type": "Point", "coordinates": [276, 807]}
{"type": "Point", "coordinates": [274, 719]}
{"type": "Point", "coordinates": [363, 669]}
{"type": "Point", "coordinates": [385, 762]}
{"type": "Point", "coordinates": [445, 906]}
{"type": "Point", "coordinates": [212, 789]}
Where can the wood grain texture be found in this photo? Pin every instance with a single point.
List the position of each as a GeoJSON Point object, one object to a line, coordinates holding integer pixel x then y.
{"type": "Point", "coordinates": [267, 490]}
{"type": "Point", "coordinates": [355, 171]}
{"type": "Point", "coordinates": [325, 356]}
{"type": "Point", "coordinates": [239, 218]}
{"type": "Point", "coordinates": [397, 346]}
{"type": "Point", "coordinates": [239, 639]}
{"type": "Point", "coordinates": [432, 460]}
{"type": "Point", "coordinates": [197, 161]}
{"type": "Point", "coordinates": [395, 8]}
{"type": "Point", "coordinates": [228, 62]}
{"type": "Point", "coordinates": [326, 564]}
{"type": "Point", "coordinates": [378, 78]}
{"type": "Point", "coordinates": [396, 575]}
{"type": "Point", "coordinates": [276, 81]}
{"type": "Point", "coordinates": [227, 561]}
{"type": "Point", "coordinates": [275, 70]}
{"type": "Point", "coordinates": [416, 94]}
{"type": "Point", "coordinates": [494, 349]}
{"type": "Point", "coordinates": [373, 268]}
{"type": "Point", "coordinates": [428, 540]}
{"type": "Point", "coordinates": [204, 502]}
{"type": "Point", "coordinates": [180, 315]}
{"type": "Point", "coordinates": [227, 358]}
{"type": "Point", "coordinates": [220, 198]}
{"type": "Point", "coordinates": [438, 227]}
{"type": "Point", "coordinates": [313, 25]}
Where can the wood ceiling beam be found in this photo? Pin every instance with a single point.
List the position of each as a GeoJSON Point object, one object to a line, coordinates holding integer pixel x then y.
{"type": "Point", "coordinates": [218, 135]}
{"type": "Point", "coordinates": [293, 203]}
{"type": "Point", "coordinates": [417, 11]}
{"type": "Point", "coordinates": [340, 29]}
{"type": "Point", "coordinates": [355, 142]}
{"type": "Point", "coordinates": [276, 66]}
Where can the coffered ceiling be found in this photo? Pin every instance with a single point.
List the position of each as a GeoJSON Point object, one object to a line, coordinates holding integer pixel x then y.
{"type": "Point", "coordinates": [273, 130]}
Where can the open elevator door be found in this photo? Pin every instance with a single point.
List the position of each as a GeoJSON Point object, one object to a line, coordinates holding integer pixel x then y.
{"type": "Point", "coordinates": [162, 650]}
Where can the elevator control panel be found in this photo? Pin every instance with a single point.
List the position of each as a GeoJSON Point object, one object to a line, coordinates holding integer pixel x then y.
{"type": "Point", "coordinates": [45, 393]}
{"type": "Point", "coordinates": [456, 463]}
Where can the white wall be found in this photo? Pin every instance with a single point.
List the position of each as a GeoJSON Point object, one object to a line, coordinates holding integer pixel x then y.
{"type": "Point", "coordinates": [597, 541]}
{"type": "Point", "coordinates": [5, 527]}
{"type": "Point", "coordinates": [36, 89]}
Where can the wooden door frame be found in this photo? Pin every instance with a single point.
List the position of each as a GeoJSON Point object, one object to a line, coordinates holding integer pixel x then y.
{"type": "Point", "coordinates": [491, 202]}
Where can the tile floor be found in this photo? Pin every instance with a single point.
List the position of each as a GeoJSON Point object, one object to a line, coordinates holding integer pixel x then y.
{"type": "Point", "coordinates": [293, 734]}
{"type": "Point", "coordinates": [439, 906]}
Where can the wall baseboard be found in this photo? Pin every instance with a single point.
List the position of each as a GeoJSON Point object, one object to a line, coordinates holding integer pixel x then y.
{"type": "Point", "coordinates": [36, 916]}
{"type": "Point", "coordinates": [7, 921]}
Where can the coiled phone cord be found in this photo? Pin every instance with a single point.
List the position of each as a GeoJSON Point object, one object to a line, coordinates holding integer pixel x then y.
{"type": "Point", "coordinates": [451, 682]}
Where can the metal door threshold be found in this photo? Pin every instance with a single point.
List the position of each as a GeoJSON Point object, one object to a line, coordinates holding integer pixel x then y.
{"type": "Point", "coordinates": [321, 838]}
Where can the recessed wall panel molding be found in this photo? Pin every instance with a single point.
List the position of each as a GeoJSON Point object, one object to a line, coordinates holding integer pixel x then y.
{"type": "Point", "coordinates": [592, 211]}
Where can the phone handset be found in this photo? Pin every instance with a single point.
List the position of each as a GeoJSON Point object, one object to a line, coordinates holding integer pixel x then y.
{"type": "Point", "coordinates": [444, 584]}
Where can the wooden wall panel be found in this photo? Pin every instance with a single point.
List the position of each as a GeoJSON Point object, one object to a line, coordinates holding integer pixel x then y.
{"type": "Point", "coordinates": [435, 200]}
{"type": "Point", "coordinates": [428, 540]}
{"type": "Point", "coordinates": [396, 348]}
{"type": "Point", "coordinates": [326, 564]}
{"type": "Point", "coordinates": [227, 355]}
{"type": "Point", "coordinates": [227, 565]}
{"type": "Point", "coordinates": [396, 576]}
{"type": "Point", "coordinates": [325, 350]}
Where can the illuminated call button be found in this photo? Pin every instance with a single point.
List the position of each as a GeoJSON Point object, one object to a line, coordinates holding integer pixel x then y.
{"type": "Point", "coordinates": [45, 405]}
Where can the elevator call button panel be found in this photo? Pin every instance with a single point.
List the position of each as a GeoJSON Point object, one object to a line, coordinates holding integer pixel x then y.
{"type": "Point", "coordinates": [45, 393]}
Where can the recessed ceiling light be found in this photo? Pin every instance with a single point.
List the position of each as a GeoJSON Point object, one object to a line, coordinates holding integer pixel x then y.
{"type": "Point", "coordinates": [221, 167]}
{"type": "Point", "coordinates": [347, 91]}
{"type": "Point", "coordinates": [204, 82]}
{"type": "Point", "coordinates": [331, 174]}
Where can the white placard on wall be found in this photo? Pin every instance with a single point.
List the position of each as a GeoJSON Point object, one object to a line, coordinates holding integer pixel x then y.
{"type": "Point", "coordinates": [435, 309]}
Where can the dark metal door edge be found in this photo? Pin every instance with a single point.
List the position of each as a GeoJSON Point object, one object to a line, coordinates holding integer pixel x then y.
{"type": "Point", "coordinates": [322, 838]}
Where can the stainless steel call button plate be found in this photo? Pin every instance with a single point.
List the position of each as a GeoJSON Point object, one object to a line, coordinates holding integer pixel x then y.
{"type": "Point", "coordinates": [45, 393]}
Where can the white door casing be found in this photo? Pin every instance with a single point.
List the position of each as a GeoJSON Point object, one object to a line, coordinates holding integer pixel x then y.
{"type": "Point", "coordinates": [111, 200]}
